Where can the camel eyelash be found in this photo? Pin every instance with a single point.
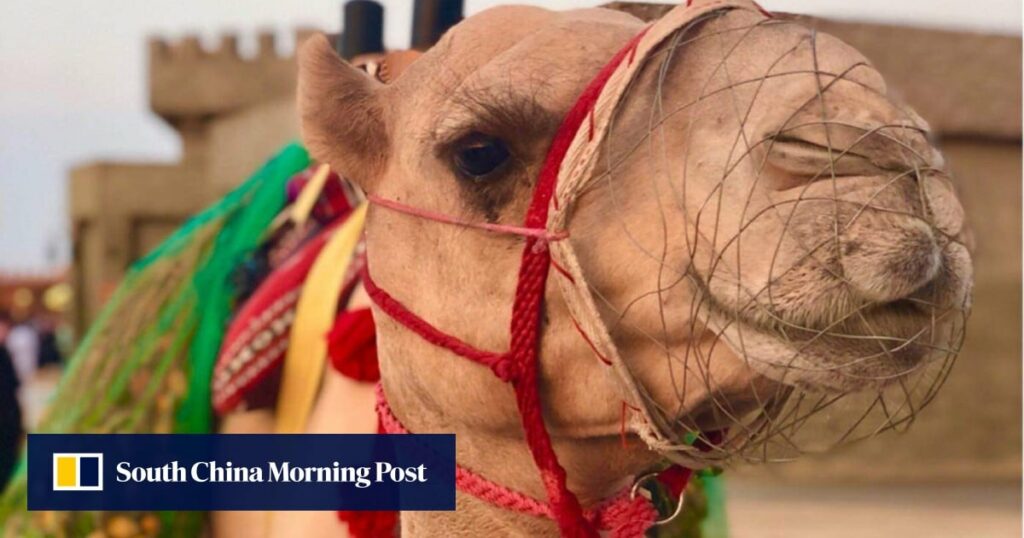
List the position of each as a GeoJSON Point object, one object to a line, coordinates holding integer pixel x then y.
{"type": "Point", "coordinates": [511, 117]}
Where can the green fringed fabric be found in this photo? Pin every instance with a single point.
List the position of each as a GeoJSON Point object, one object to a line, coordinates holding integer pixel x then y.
{"type": "Point", "coordinates": [145, 364]}
{"type": "Point", "coordinates": [239, 238]}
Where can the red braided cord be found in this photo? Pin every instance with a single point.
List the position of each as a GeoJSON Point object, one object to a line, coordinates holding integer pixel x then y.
{"type": "Point", "coordinates": [466, 480]}
{"type": "Point", "coordinates": [498, 363]}
{"type": "Point", "coordinates": [526, 311]}
{"type": "Point", "coordinates": [625, 517]}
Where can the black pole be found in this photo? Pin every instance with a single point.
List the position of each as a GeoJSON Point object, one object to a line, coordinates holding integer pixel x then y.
{"type": "Point", "coordinates": [431, 19]}
{"type": "Point", "coordinates": [363, 28]}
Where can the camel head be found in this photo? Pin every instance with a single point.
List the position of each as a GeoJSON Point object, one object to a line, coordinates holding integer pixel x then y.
{"type": "Point", "coordinates": [763, 225]}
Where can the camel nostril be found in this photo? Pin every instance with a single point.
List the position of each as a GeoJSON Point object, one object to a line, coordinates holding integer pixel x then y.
{"type": "Point", "coordinates": [890, 265]}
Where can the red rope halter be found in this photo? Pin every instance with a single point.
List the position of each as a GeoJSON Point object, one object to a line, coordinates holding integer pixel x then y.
{"type": "Point", "coordinates": [518, 365]}
{"type": "Point", "coordinates": [626, 515]}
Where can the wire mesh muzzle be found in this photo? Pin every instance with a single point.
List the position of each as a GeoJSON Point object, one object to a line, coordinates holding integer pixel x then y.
{"type": "Point", "coordinates": [839, 364]}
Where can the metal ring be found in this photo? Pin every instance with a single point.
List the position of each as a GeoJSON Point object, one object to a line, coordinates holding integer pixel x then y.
{"type": "Point", "coordinates": [651, 476]}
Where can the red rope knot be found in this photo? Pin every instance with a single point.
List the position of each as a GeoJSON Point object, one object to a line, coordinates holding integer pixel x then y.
{"type": "Point", "coordinates": [543, 239]}
{"type": "Point", "coordinates": [505, 368]}
{"type": "Point", "coordinates": [626, 517]}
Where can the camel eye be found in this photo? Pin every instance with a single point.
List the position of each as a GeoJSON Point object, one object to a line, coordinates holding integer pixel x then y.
{"type": "Point", "coordinates": [478, 155]}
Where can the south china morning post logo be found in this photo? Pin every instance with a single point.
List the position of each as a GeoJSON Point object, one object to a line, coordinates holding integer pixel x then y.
{"type": "Point", "coordinates": [227, 472]}
{"type": "Point", "coordinates": [130, 472]}
{"type": "Point", "coordinates": [77, 471]}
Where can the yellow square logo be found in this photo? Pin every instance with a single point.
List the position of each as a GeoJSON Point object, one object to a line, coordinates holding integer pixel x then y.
{"type": "Point", "coordinates": [78, 472]}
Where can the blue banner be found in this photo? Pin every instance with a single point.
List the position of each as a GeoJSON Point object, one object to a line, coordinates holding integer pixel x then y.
{"type": "Point", "coordinates": [241, 472]}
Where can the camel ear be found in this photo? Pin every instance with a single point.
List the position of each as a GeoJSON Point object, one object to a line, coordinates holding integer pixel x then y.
{"type": "Point", "coordinates": [342, 116]}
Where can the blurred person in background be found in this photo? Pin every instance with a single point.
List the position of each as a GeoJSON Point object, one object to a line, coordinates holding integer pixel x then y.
{"type": "Point", "coordinates": [56, 337]}
{"type": "Point", "coordinates": [49, 348]}
{"type": "Point", "coordinates": [10, 410]}
{"type": "Point", "coordinates": [23, 338]}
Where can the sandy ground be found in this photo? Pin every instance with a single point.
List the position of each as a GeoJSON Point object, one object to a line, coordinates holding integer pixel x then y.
{"type": "Point", "coordinates": [758, 510]}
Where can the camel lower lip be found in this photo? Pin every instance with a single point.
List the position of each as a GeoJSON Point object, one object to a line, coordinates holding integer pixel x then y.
{"type": "Point", "coordinates": [904, 307]}
{"type": "Point", "coordinates": [896, 320]}
{"type": "Point", "coordinates": [877, 345]}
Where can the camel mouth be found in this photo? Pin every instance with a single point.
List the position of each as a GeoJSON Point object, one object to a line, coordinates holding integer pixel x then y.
{"type": "Point", "coordinates": [856, 309]}
{"type": "Point", "coordinates": [856, 347]}
{"type": "Point", "coordinates": [866, 368]}
{"type": "Point", "coordinates": [900, 319]}
{"type": "Point", "coordinates": [867, 379]}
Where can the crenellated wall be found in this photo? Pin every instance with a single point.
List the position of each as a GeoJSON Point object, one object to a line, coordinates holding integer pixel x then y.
{"type": "Point", "coordinates": [231, 112]}
{"type": "Point", "coordinates": [187, 81]}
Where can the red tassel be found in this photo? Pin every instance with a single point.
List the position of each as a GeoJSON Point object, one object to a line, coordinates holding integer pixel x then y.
{"type": "Point", "coordinates": [369, 524]}
{"type": "Point", "coordinates": [352, 345]}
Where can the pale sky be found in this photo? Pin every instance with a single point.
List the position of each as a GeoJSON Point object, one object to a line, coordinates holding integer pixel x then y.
{"type": "Point", "coordinates": [72, 82]}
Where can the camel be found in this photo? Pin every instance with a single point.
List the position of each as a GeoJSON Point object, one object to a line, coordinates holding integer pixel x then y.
{"type": "Point", "coordinates": [754, 224]}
